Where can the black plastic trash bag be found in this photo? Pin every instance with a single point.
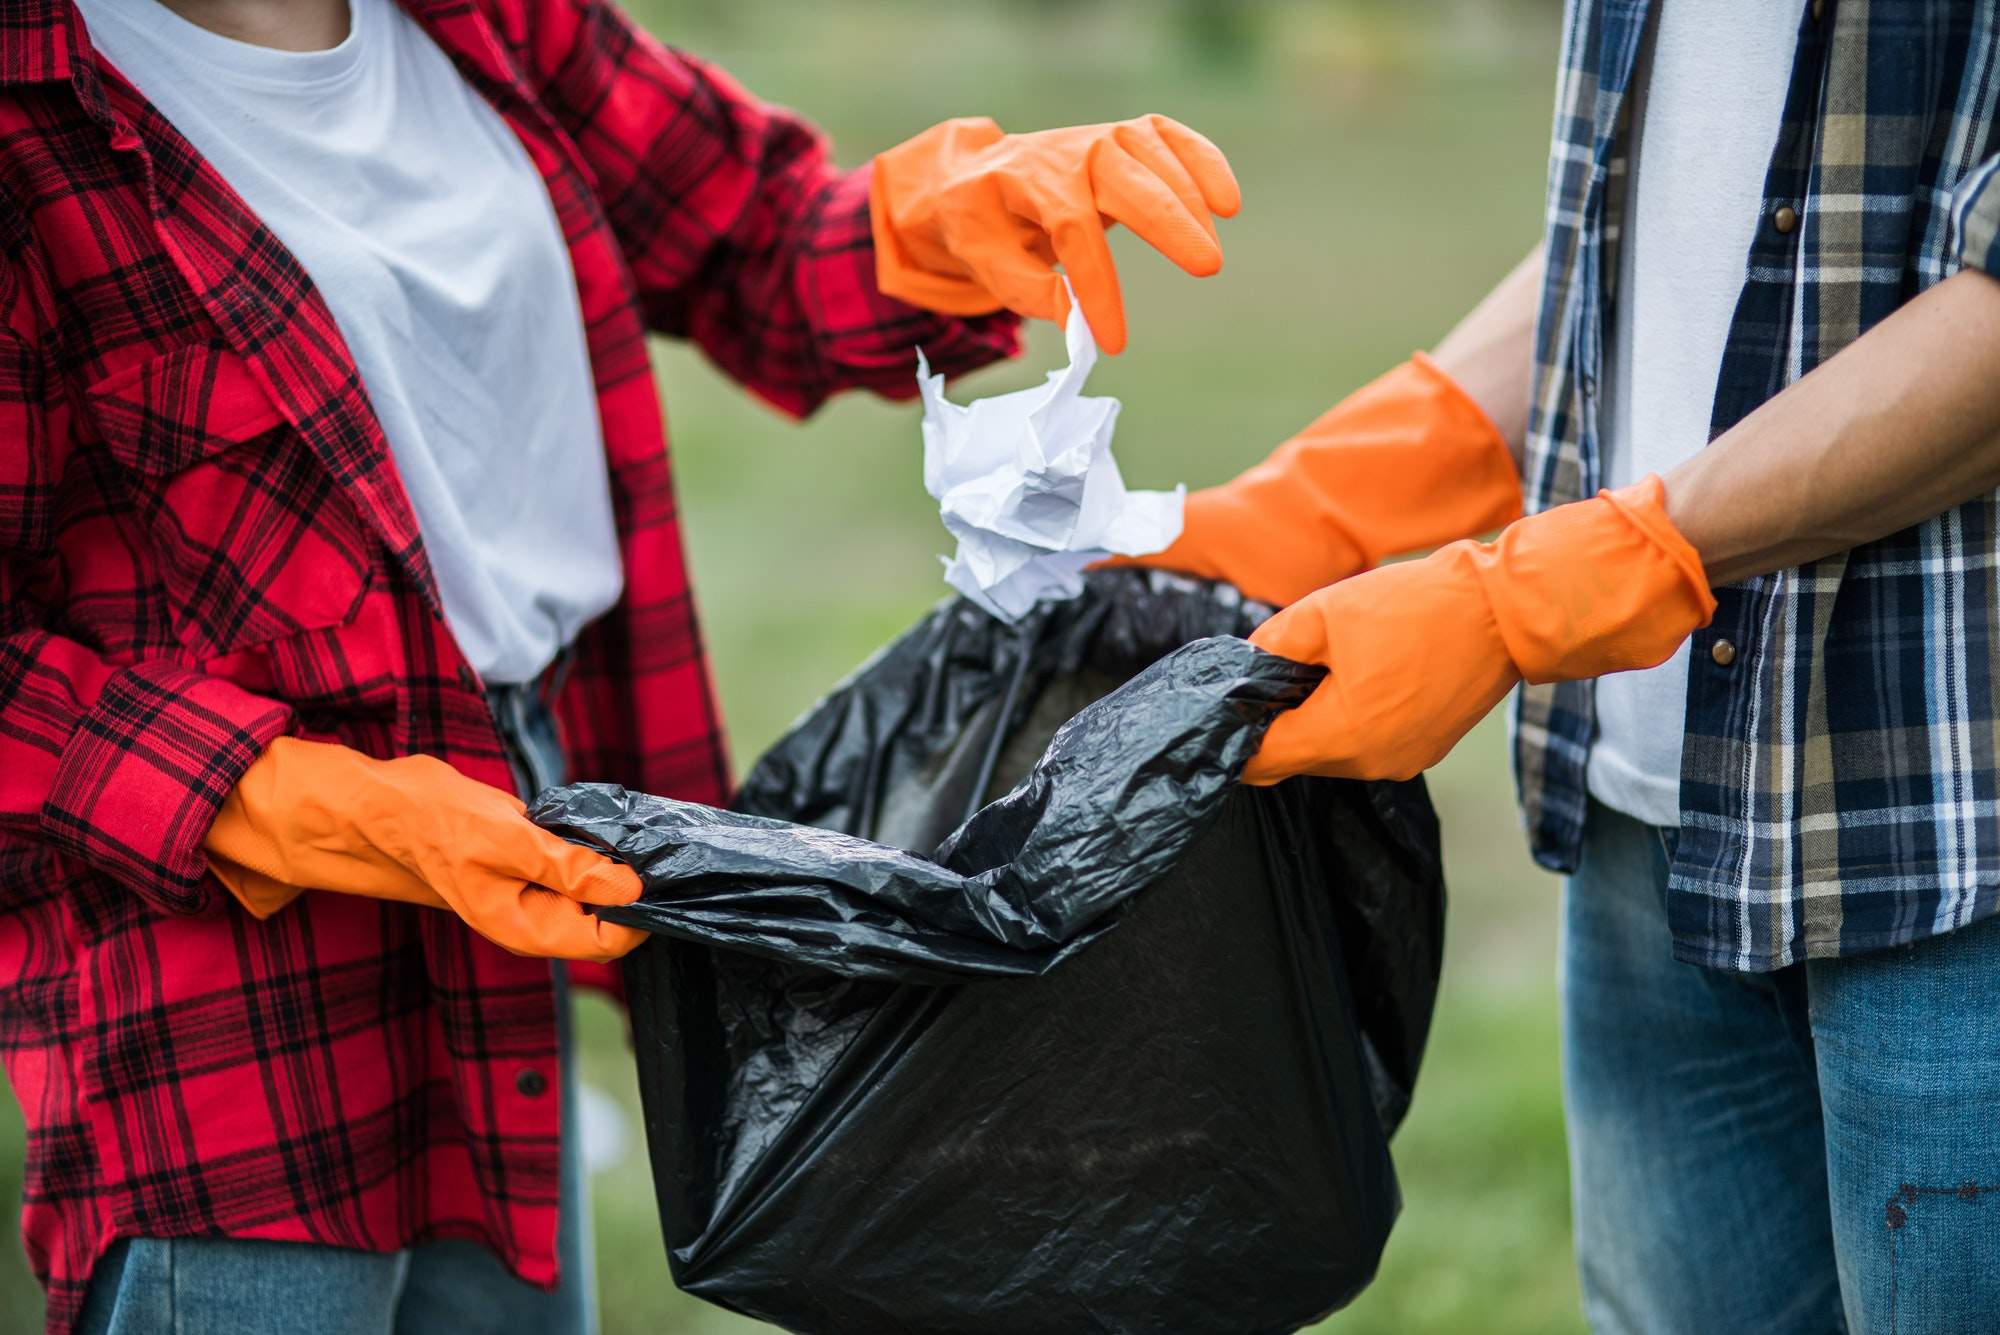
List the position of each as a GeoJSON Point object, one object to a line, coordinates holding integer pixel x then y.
{"type": "Point", "coordinates": [1120, 1052]}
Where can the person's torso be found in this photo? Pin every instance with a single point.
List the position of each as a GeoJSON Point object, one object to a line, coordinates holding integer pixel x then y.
{"type": "Point", "coordinates": [1835, 792]}
{"type": "Point", "coordinates": [430, 235]}
{"type": "Point", "coordinates": [213, 496]}
{"type": "Point", "coordinates": [1706, 98]}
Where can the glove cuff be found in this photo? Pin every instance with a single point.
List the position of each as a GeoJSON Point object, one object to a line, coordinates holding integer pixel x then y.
{"type": "Point", "coordinates": [1407, 462]}
{"type": "Point", "coordinates": [1603, 585]}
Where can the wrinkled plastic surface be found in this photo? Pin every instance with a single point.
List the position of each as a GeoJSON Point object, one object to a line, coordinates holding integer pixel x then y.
{"type": "Point", "coordinates": [1121, 1052]}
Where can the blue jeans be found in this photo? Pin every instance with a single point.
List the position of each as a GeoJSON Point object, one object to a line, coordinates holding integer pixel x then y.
{"type": "Point", "coordinates": [1812, 1150]}
{"type": "Point", "coordinates": [232, 1286]}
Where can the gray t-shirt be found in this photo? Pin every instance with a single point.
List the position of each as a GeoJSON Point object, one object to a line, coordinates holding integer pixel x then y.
{"type": "Point", "coordinates": [432, 238]}
{"type": "Point", "coordinates": [1708, 97]}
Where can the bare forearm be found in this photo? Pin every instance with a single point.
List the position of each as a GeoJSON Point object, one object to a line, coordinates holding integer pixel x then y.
{"type": "Point", "coordinates": [1902, 425]}
{"type": "Point", "coordinates": [1490, 353]}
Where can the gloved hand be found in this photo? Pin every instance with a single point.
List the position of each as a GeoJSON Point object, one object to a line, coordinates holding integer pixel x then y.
{"type": "Point", "coordinates": [323, 817]}
{"type": "Point", "coordinates": [1406, 462]}
{"type": "Point", "coordinates": [968, 219]}
{"type": "Point", "coordinates": [1417, 652]}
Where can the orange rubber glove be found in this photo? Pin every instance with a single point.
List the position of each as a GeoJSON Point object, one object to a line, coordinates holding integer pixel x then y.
{"type": "Point", "coordinates": [1404, 463]}
{"type": "Point", "coordinates": [1418, 652]}
{"type": "Point", "coordinates": [968, 219]}
{"type": "Point", "coordinates": [311, 815]}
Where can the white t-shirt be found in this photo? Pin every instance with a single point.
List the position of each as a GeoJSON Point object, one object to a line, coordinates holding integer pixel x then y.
{"type": "Point", "coordinates": [432, 238]}
{"type": "Point", "coordinates": [1707, 101]}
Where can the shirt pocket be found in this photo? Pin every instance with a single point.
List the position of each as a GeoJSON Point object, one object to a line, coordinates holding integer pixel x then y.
{"type": "Point", "coordinates": [252, 539]}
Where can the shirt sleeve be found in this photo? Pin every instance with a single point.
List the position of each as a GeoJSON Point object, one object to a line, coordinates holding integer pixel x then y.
{"type": "Point", "coordinates": [741, 233]}
{"type": "Point", "coordinates": [1975, 219]}
{"type": "Point", "coordinates": [122, 766]}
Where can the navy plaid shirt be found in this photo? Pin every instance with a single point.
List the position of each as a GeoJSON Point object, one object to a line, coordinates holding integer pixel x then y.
{"type": "Point", "coordinates": [1838, 786]}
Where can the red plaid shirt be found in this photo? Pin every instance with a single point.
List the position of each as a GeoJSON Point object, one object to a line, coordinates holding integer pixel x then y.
{"type": "Point", "coordinates": [204, 544]}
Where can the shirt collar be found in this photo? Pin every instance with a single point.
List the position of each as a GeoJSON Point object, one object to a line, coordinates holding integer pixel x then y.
{"type": "Point", "coordinates": [40, 41]}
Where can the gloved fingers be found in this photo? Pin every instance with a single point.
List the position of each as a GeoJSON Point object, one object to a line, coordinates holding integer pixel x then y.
{"type": "Point", "coordinates": [582, 874]}
{"type": "Point", "coordinates": [1276, 755]}
{"type": "Point", "coordinates": [615, 941]}
{"type": "Point", "coordinates": [1022, 281]}
{"type": "Point", "coordinates": [536, 921]}
{"type": "Point", "coordinates": [1413, 662]}
{"type": "Point", "coordinates": [1299, 633]}
{"type": "Point", "coordinates": [566, 930]}
{"type": "Point", "coordinates": [1143, 142]}
{"type": "Point", "coordinates": [1204, 162]}
{"type": "Point", "coordinates": [1314, 730]}
{"type": "Point", "coordinates": [605, 882]}
{"type": "Point", "coordinates": [1326, 736]}
{"type": "Point", "coordinates": [1321, 736]}
{"type": "Point", "coordinates": [1085, 253]}
{"type": "Point", "coordinates": [1126, 190]}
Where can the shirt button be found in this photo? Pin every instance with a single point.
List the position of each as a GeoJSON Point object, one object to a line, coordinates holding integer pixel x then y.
{"type": "Point", "coordinates": [1723, 652]}
{"type": "Point", "coordinates": [531, 1082]}
{"type": "Point", "coordinates": [1785, 219]}
{"type": "Point", "coordinates": [1818, 9]}
{"type": "Point", "coordinates": [467, 680]}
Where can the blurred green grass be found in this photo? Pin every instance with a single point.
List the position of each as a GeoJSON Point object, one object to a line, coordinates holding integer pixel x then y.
{"type": "Point", "coordinates": [1391, 158]}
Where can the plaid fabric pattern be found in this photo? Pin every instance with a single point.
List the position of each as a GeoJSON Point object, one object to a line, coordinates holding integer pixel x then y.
{"type": "Point", "coordinates": [204, 545]}
{"type": "Point", "coordinates": [1839, 780]}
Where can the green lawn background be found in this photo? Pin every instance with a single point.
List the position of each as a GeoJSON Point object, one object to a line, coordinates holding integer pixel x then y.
{"type": "Point", "coordinates": [1391, 158]}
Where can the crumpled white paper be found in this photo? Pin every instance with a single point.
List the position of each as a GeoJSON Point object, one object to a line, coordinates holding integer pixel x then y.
{"type": "Point", "coordinates": [1026, 483]}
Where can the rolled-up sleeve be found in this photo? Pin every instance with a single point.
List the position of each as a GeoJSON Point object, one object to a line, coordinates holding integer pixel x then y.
{"type": "Point", "coordinates": [119, 765]}
{"type": "Point", "coordinates": [1975, 219]}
